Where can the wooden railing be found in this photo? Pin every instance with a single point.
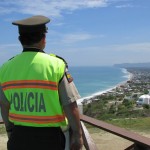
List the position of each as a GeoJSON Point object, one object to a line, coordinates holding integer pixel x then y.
{"type": "Point", "coordinates": [88, 141]}
{"type": "Point", "coordinates": [140, 142]}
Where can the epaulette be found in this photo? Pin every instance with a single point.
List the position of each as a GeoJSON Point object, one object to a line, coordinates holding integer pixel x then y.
{"type": "Point", "coordinates": [8, 60]}
{"type": "Point", "coordinates": [60, 58]}
{"type": "Point", "coordinates": [11, 58]}
{"type": "Point", "coordinates": [67, 74]}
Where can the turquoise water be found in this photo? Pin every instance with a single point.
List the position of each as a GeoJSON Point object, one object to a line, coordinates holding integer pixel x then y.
{"type": "Point", "coordinates": [94, 80]}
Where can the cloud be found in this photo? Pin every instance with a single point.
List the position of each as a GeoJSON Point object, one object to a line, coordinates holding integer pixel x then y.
{"type": "Point", "coordinates": [106, 55]}
{"type": "Point", "coordinates": [7, 51]}
{"type": "Point", "coordinates": [114, 51]}
{"type": "Point", "coordinates": [70, 38]}
{"type": "Point", "coordinates": [7, 46]}
{"type": "Point", "coordinates": [135, 47]}
{"type": "Point", "coordinates": [53, 8]}
{"type": "Point", "coordinates": [98, 55]}
{"type": "Point", "coordinates": [77, 37]}
{"type": "Point", "coordinates": [125, 6]}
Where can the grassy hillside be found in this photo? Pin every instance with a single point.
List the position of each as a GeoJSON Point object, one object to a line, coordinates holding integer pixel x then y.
{"type": "Point", "coordinates": [137, 124]}
{"type": "Point", "coordinates": [124, 115]}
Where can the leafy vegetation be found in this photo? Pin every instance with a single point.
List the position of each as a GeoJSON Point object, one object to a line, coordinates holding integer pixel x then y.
{"type": "Point", "coordinates": [124, 114]}
{"type": "Point", "coordinates": [136, 124]}
{"type": "Point", "coordinates": [2, 129]}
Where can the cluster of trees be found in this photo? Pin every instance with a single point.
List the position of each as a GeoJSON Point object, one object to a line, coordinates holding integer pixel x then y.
{"type": "Point", "coordinates": [104, 109]}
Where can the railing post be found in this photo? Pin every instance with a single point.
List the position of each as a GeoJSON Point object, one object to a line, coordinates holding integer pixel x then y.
{"type": "Point", "coordinates": [88, 141]}
{"type": "Point", "coordinates": [66, 132]}
{"type": "Point", "coordinates": [137, 146]}
{"type": "Point", "coordinates": [80, 107]}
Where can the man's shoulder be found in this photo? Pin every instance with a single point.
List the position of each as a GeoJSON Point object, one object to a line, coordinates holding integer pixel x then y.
{"type": "Point", "coordinates": [7, 62]}
{"type": "Point", "coordinates": [59, 58]}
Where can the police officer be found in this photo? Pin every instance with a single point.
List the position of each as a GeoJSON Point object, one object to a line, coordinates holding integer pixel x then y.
{"type": "Point", "coordinates": [37, 94]}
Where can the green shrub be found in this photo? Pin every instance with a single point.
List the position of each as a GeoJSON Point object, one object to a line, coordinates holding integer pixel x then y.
{"type": "Point", "coordinates": [146, 106]}
{"type": "Point", "coordinates": [146, 91]}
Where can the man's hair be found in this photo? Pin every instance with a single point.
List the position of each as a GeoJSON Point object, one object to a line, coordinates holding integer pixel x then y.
{"type": "Point", "coordinates": [31, 38]}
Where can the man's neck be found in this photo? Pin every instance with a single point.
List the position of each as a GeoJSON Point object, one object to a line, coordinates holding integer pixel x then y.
{"type": "Point", "coordinates": [37, 47]}
{"type": "Point", "coordinates": [32, 49]}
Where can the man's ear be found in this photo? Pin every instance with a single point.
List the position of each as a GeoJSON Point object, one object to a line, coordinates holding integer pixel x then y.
{"type": "Point", "coordinates": [44, 39]}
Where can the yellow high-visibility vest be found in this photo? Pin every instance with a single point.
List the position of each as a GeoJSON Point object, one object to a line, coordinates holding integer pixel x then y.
{"type": "Point", "coordinates": [30, 83]}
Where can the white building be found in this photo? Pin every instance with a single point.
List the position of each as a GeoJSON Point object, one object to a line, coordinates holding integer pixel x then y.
{"type": "Point", "coordinates": [143, 99]}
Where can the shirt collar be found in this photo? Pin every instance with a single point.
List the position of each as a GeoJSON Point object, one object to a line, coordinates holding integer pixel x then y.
{"type": "Point", "coordinates": [32, 49]}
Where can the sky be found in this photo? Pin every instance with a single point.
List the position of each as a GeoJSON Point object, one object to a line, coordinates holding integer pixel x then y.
{"type": "Point", "coordinates": [83, 32]}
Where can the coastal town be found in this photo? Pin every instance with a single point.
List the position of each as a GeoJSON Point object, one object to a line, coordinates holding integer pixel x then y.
{"type": "Point", "coordinates": [137, 84]}
{"type": "Point", "coordinates": [119, 106]}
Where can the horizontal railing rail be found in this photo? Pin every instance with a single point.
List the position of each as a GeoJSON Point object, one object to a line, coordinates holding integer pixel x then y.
{"type": "Point", "coordinates": [140, 142]}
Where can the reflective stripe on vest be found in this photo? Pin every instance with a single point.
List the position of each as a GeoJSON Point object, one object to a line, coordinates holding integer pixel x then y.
{"type": "Point", "coordinates": [37, 119]}
{"type": "Point", "coordinates": [30, 84]}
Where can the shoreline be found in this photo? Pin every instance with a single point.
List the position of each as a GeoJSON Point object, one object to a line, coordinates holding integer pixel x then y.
{"type": "Point", "coordinates": [122, 83]}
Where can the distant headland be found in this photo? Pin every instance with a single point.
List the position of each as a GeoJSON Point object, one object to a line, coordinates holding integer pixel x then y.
{"type": "Point", "coordinates": [131, 65]}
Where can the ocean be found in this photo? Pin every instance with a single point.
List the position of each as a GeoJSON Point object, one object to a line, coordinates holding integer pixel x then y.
{"type": "Point", "coordinates": [91, 81]}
